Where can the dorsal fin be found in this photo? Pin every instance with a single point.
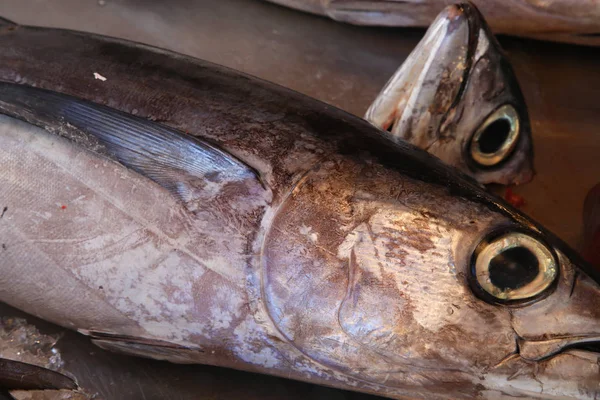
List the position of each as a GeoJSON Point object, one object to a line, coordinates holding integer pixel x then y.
{"type": "Point", "coordinates": [188, 167]}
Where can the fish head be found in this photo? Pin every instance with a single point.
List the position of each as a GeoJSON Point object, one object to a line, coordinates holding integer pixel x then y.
{"type": "Point", "coordinates": [553, 299]}
{"type": "Point", "coordinates": [457, 97]}
{"type": "Point", "coordinates": [433, 293]}
{"type": "Point", "coordinates": [498, 300]}
{"type": "Point", "coordinates": [558, 338]}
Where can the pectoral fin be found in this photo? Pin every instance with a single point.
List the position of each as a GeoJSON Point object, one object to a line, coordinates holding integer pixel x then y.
{"type": "Point", "coordinates": [191, 169]}
{"type": "Point", "coordinates": [143, 347]}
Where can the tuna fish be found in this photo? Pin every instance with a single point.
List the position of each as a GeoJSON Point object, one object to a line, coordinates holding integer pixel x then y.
{"type": "Point", "coordinates": [457, 97]}
{"type": "Point", "coordinates": [572, 21]}
{"type": "Point", "coordinates": [175, 209]}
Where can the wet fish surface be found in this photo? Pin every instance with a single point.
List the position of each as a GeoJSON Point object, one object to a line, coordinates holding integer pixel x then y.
{"type": "Point", "coordinates": [457, 97]}
{"type": "Point", "coordinates": [570, 21]}
{"type": "Point", "coordinates": [182, 211]}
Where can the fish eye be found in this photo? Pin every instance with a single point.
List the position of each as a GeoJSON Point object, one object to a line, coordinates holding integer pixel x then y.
{"type": "Point", "coordinates": [496, 138]}
{"type": "Point", "coordinates": [513, 267]}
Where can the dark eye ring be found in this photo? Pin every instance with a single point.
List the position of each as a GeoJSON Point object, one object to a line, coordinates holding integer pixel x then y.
{"type": "Point", "coordinates": [513, 267]}
{"type": "Point", "coordinates": [496, 138]}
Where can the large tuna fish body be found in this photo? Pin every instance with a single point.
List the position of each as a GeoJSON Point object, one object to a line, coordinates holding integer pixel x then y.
{"type": "Point", "coordinates": [178, 210]}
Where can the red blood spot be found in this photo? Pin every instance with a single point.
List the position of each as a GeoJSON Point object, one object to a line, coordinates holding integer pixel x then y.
{"type": "Point", "coordinates": [63, 207]}
{"type": "Point", "coordinates": [514, 199]}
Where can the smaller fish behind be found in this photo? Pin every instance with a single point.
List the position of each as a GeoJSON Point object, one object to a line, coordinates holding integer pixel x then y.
{"type": "Point", "coordinates": [457, 97]}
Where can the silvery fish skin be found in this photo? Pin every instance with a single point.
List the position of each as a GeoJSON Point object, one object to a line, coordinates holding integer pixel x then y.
{"type": "Point", "coordinates": [457, 97]}
{"type": "Point", "coordinates": [571, 21]}
{"type": "Point", "coordinates": [179, 210]}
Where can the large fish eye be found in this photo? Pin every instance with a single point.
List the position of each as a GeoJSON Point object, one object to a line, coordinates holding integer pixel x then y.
{"type": "Point", "coordinates": [513, 267]}
{"type": "Point", "coordinates": [496, 138]}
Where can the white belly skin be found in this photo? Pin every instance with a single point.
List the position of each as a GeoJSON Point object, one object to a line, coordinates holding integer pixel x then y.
{"type": "Point", "coordinates": [90, 245]}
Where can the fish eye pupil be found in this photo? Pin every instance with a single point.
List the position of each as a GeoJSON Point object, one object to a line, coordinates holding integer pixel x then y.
{"type": "Point", "coordinates": [513, 268]}
{"type": "Point", "coordinates": [494, 135]}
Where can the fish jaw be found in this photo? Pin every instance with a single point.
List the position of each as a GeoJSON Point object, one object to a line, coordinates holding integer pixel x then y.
{"type": "Point", "coordinates": [558, 352]}
{"type": "Point", "coordinates": [448, 89]}
{"type": "Point", "coordinates": [569, 318]}
{"type": "Point", "coordinates": [572, 374]}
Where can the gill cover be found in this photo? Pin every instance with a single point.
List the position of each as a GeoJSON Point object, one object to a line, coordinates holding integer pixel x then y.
{"type": "Point", "coordinates": [457, 97]}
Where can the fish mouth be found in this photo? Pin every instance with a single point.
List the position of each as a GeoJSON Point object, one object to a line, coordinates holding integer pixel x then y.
{"type": "Point", "coordinates": [538, 350]}
{"type": "Point", "coordinates": [591, 347]}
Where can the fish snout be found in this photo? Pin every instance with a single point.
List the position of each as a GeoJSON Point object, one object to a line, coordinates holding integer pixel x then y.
{"type": "Point", "coordinates": [413, 103]}
{"type": "Point", "coordinates": [536, 350]}
{"type": "Point", "coordinates": [567, 320]}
